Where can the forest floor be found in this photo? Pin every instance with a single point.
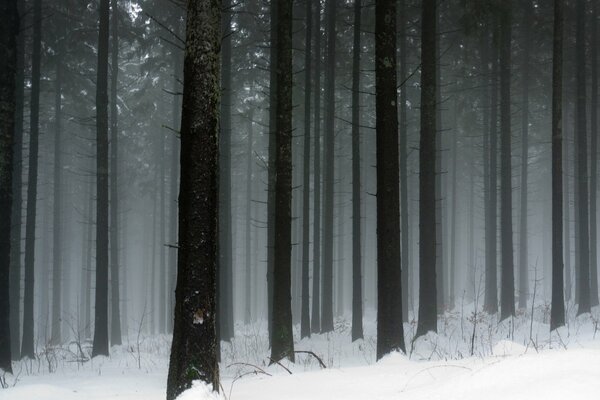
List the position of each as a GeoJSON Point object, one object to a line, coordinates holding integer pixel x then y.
{"type": "Point", "coordinates": [472, 357]}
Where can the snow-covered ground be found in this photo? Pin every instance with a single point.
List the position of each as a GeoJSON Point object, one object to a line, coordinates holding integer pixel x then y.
{"type": "Point", "coordinates": [500, 361]}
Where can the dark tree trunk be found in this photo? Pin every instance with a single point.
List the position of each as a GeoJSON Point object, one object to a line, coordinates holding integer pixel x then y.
{"type": "Point", "coordinates": [582, 168]}
{"type": "Point", "coordinates": [491, 237]}
{"type": "Point", "coordinates": [439, 192]}
{"type": "Point", "coordinates": [329, 162]}
{"type": "Point", "coordinates": [100, 346]}
{"type": "Point", "coordinates": [194, 347]}
{"type": "Point", "coordinates": [523, 263]}
{"type": "Point", "coordinates": [403, 134]}
{"type": "Point", "coordinates": [305, 308]}
{"type": "Point", "coordinates": [173, 183]}
{"type": "Point", "coordinates": [56, 337]}
{"type": "Point", "coordinates": [566, 196]}
{"type": "Point", "coordinates": [485, 101]}
{"type": "Point", "coordinates": [282, 344]}
{"type": "Point", "coordinates": [88, 258]}
{"type": "Point", "coordinates": [8, 73]}
{"type": "Point", "coordinates": [17, 199]}
{"type": "Point", "coordinates": [390, 331]}
{"type": "Point", "coordinates": [115, 326]}
{"type": "Point", "coordinates": [225, 303]}
{"type": "Point", "coordinates": [507, 293]}
{"type": "Point", "coordinates": [315, 322]}
{"type": "Point", "coordinates": [594, 161]}
{"type": "Point", "coordinates": [427, 155]}
{"type": "Point", "coordinates": [271, 166]}
{"type": "Point", "coordinates": [357, 306]}
{"type": "Point", "coordinates": [248, 251]}
{"type": "Point", "coordinates": [557, 314]}
{"type": "Point", "coordinates": [27, 348]}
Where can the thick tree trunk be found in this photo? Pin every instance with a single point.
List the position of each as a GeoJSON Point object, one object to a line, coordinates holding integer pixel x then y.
{"type": "Point", "coordinates": [357, 305]}
{"type": "Point", "coordinates": [507, 293]}
{"type": "Point", "coordinates": [523, 238]}
{"type": "Point", "coordinates": [557, 314]}
{"type": "Point", "coordinates": [115, 326]}
{"type": "Point", "coordinates": [100, 346]}
{"type": "Point", "coordinates": [17, 199]}
{"type": "Point", "coordinates": [329, 162]}
{"type": "Point", "coordinates": [271, 166]}
{"type": "Point", "coordinates": [305, 307]}
{"type": "Point", "coordinates": [225, 279]}
{"type": "Point", "coordinates": [582, 168]}
{"type": "Point", "coordinates": [27, 347]}
{"type": "Point", "coordinates": [315, 323]}
{"type": "Point", "coordinates": [282, 344]}
{"type": "Point", "coordinates": [248, 236]}
{"type": "Point", "coordinates": [439, 192]}
{"type": "Point", "coordinates": [427, 155]}
{"type": "Point", "coordinates": [8, 73]}
{"type": "Point", "coordinates": [403, 134]}
{"type": "Point", "coordinates": [390, 331]}
{"type": "Point", "coordinates": [194, 347]}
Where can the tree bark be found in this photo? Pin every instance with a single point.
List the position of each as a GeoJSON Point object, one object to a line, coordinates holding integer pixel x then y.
{"type": "Point", "coordinates": [403, 135]}
{"type": "Point", "coordinates": [194, 347]}
{"type": "Point", "coordinates": [305, 309]}
{"type": "Point", "coordinates": [282, 344]}
{"type": "Point", "coordinates": [357, 305]}
{"type": "Point", "coordinates": [594, 160]}
{"type": "Point", "coordinates": [329, 162]}
{"type": "Point", "coordinates": [582, 168]}
{"type": "Point", "coordinates": [27, 347]}
{"type": "Point", "coordinates": [557, 313]}
{"type": "Point", "coordinates": [427, 154]}
{"type": "Point", "coordinates": [8, 73]}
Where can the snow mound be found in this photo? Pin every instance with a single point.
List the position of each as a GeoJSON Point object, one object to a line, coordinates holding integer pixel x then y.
{"type": "Point", "coordinates": [199, 391]}
{"type": "Point", "coordinates": [506, 348]}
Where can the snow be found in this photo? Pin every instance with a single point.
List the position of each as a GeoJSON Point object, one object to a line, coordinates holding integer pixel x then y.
{"type": "Point", "coordinates": [507, 363]}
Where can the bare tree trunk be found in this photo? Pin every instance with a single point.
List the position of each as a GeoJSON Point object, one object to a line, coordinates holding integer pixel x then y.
{"type": "Point", "coordinates": [427, 155]}
{"type": "Point", "coordinates": [8, 73]}
{"type": "Point", "coordinates": [507, 294]}
{"type": "Point", "coordinates": [115, 326]}
{"type": "Point", "coordinates": [403, 134]}
{"type": "Point", "coordinates": [557, 314]}
{"type": "Point", "coordinates": [194, 348]}
{"type": "Point", "coordinates": [282, 344]}
{"type": "Point", "coordinates": [390, 331]}
{"type": "Point", "coordinates": [100, 346]}
{"type": "Point", "coordinates": [582, 169]}
{"type": "Point", "coordinates": [248, 252]}
{"type": "Point", "coordinates": [305, 308]}
{"type": "Point", "coordinates": [594, 162]}
{"type": "Point", "coordinates": [315, 322]}
{"type": "Point", "coordinates": [27, 348]}
{"type": "Point", "coordinates": [357, 305]}
{"type": "Point", "coordinates": [329, 162]}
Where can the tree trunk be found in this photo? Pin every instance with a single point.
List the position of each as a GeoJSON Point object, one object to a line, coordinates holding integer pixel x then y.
{"type": "Point", "coordinates": [100, 346]}
{"type": "Point", "coordinates": [194, 347]}
{"type": "Point", "coordinates": [225, 303]}
{"type": "Point", "coordinates": [491, 257]}
{"type": "Point", "coordinates": [8, 74]}
{"type": "Point", "coordinates": [390, 331]}
{"type": "Point", "coordinates": [594, 161]}
{"type": "Point", "coordinates": [427, 155]}
{"type": "Point", "coordinates": [523, 263]}
{"type": "Point", "coordinates": [282, 344]}
{"type": "Point", "coordinates": [357, 306]}
{"type": "Point", "coordinates": [439, 192]}
{"type": "Point", "coordinates": [115, 326]}
{"type": "Point", "coordinates": [582, 168]}
{"type": "Point", "coordinates": [403, 134]}
{"type": "Point", "coordinates": [507, 293]}
{"type": "Point", "coordinates": [315, 322]}
{"type": "Point", "coordinates": [248, 251]}
{"type": "Point", "coordinates": [557, 314]}
{"type": "Point", "coordinates": [27, 347]}
{"type": "Point", "coordinates": [305, 309]}
{"type": "Point", "coordinates": [17, 199]}
{"type": "Point", "coordinates": [56, 337]}
{"type": "Point", "coordinates": [329, 162]}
